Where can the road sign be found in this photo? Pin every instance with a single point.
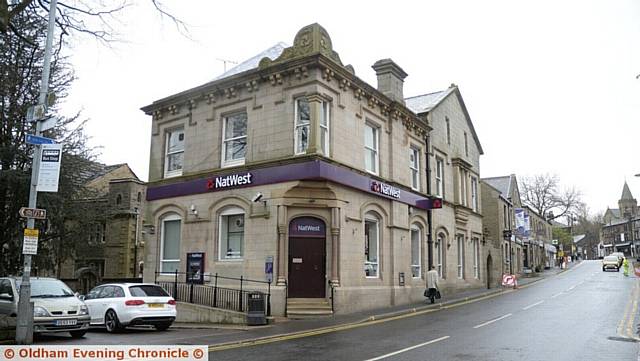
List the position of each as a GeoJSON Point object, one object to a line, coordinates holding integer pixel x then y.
{"type": "Point", "coordinates": [34, 139]}
{"type": "Point", "coordinates": [48, 123]}
{"type": "Point", "coordinates": [49, 172]}
{"type": "Point", "coordinates": [36, 112]}
{"type": "Point", "coordinates": [30, 243]}
{"type": "Point", "coordinates": [33, 213]}
{"type": "Point", "coordinates": [509, 280]}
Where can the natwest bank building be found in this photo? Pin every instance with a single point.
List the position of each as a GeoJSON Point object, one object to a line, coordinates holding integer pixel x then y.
{"type": "Point", "coordinates": [295, 162]}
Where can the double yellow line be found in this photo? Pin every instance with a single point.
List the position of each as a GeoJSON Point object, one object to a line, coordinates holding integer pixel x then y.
{"type": "Point", "coordinates": [626, 324]}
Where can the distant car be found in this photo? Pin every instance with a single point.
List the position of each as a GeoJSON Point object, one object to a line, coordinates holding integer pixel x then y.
{"type": "Point", "coordinates": [56, 307]}
{"type": "Point", "coordinates": [118, 305]}
{"type": "Point", "coordinates": [620, 256]}
{"type": "Point", "coordinates": [610, 262]}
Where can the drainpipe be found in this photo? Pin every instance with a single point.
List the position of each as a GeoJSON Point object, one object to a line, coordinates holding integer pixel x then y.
{"type": "Point", "coordinates": [429, 211]}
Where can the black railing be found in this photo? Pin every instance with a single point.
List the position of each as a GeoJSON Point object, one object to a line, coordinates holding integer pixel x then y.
{"type": "Point", "coordinates": [226, 297]}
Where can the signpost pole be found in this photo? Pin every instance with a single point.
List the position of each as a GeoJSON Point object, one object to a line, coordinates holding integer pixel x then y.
{"type": "Point", "coordinates": [24, 327]}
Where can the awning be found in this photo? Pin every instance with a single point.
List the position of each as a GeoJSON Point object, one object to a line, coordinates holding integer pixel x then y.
{"type": "Point", "coordinates": [625, 244]}
{"type": "Point", "coordinates": [607, 245]}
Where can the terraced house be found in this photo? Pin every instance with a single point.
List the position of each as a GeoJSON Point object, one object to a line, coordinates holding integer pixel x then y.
{"type": "Point", "coordinates": [291, 160]}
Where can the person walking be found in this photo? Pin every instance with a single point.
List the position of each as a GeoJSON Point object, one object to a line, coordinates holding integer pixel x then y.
{"type": "Point", "coordinates": [432, 284]}
{"type": "Point", "coordinates": [625, 265]}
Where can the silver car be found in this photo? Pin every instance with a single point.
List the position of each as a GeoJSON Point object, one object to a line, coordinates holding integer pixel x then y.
{"type": "Point", "coordinates": [56, 307]}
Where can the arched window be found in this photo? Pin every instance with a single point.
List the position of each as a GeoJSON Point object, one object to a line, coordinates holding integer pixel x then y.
{"type": "Point", "coordinates": [440, 246]}
{"type": "Point", "coordinates": [371, 245]}
{"type": "Point", "coordinates": [416, 254]}
{"type": "Point", "coordinates": [139, 197]}
{"type": "Point", "coordinates": [231, 230]}
{"type": "Point", "coordinates": [118, 199]}
{"type": "Point", "coordinates": [170, 243]}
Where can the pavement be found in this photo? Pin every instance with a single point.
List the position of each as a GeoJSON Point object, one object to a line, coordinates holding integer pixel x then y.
{"type": "Point", "coordinates": [283, 327]}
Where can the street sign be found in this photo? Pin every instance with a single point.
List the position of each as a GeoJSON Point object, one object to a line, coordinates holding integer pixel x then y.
{"type": "Point", "coordinates": [34, 139]}
{"type": "Point", "coordinates": [46, 124]}
{"type": "Point", "coordinates": [30, 243]}
{"type": "Point", "coordinates": [49, 172]}
{"type": "Point", "coordinates": [36, 112]}
{"type": "Point", "coordinates": [554, 241]}
{"type": "Point", "coordinates": [33, 213]}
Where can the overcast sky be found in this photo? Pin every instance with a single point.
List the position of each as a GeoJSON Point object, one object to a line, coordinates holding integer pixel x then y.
{"type": "Point", "coordinates": [550, 85]}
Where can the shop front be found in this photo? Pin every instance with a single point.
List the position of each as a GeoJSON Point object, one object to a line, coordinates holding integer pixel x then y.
{"type": "Point", "coordinates": [321, 227]}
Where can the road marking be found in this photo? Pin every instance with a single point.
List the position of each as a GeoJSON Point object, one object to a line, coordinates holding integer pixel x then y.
{"type": "Point", "coordinates": [408, 349]}
{"type": "Point", "coordinates": [533, 305]}
{"type": "Point", "coordinates": [572, 287]}
{"type": "Point", "coordinates": [557, 294]}
{"type": "Point", "coordinates": [494, 320]}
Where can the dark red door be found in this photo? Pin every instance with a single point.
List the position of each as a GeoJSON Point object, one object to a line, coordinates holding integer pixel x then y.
{"type": "Point", "coordinates": [306, 267]}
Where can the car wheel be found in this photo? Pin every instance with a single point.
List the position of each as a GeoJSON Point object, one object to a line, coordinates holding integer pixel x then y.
{"type": "Point", "coordinates": [618, 269]}
{"type": "Point", "coordinates": [162, 326]}
{"type": "Point", "coordinates": [111, 321]}
{"type": "Point", "coordinates": [603, 269]}
{"type": "Point", "coordinates": [78, 334]}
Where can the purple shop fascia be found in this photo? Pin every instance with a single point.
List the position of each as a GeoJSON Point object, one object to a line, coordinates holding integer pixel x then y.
{"type": "Point", "coordinates": [310, 170]}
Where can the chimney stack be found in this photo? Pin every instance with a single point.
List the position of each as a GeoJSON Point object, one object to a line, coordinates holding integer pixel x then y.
{"type": "Point", "coordinates": [390, 79]}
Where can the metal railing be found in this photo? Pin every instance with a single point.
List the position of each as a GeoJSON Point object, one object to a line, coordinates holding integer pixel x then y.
{"type": "Point", "coordinates": [212, 295]}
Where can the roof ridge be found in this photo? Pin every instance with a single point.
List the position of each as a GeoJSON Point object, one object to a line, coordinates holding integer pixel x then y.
{"type": "Point", "coordinates": [425, 94]}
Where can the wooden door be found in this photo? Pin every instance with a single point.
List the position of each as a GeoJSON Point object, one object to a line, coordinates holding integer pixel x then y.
{"type": "Point", "coordinates": [307, 267]}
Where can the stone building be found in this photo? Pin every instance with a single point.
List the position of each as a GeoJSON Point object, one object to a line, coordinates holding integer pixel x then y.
{"type": "Point", "coordinates": [459, 248]}
{"type": "Point", "coordinates": [497, 212]}
{"type": "Point", "coordinates": [541, 233]}
{"type": "Point", "coordinates": [512, 248]}
{"type": "Point", "coordinates": [621, 228]}
{"type": "Point", "coordinates": [113, 248]}
{"type": "Point", "coordinates": [295, 160]}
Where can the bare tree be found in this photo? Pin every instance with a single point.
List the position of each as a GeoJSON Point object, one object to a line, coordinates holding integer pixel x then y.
{"type": "Point", "coordinates": [542, 193]}
{"type": "Point", "coordinates": [93, 17]}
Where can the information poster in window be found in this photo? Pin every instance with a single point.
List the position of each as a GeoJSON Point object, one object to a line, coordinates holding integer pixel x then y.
{"type": "Point", "coordinates": [195, 267]}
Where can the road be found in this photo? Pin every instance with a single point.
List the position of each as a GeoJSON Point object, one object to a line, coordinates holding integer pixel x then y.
{"type": "Point", "coordinates": [582, 314]}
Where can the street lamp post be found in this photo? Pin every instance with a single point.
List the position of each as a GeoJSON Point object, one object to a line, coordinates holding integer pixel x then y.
{"type": "Point", "coordinates": [135, 246]}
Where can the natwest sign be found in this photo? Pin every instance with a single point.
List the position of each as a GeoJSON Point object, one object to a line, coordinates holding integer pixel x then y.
{"type": "Point", "coordinates": [384, 189]}
{"type": "Point", "coordinates": [228, 181]}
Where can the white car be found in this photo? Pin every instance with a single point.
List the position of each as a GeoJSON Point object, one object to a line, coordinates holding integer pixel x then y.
{"type": "Point", "coordinates": [118, 305]}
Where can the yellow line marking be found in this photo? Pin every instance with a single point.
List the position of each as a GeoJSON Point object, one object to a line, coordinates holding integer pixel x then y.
{"type": "Point", "coordinates": [370, 321]}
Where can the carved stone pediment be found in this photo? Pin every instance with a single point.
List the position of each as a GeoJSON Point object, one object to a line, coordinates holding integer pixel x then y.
{"type": "Point", "coordinates": [310, 40]}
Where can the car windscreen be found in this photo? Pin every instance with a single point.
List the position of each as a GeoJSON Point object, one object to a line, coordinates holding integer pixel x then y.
{"type": "Point", "coordinates": [45, 288]}
{"type": "Point", "coordinates": [147, 291]}
{"type": "Point", "coordinates": [611, 258]}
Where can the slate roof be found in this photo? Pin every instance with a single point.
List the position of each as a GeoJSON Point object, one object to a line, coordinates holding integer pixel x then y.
{"type": "Point", "coordinates": [578, 238]}
{"type": "Point", "coordinates": [424, 103]}
{"type": "Point", "coordinates": [626, 193]}
{"type": "Point", "coordinates": [251, 63]}
{"type": "Point", "coordinates": [503, 184]}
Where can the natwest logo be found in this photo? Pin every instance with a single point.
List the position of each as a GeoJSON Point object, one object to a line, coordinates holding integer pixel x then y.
{"type": "Point", "coordinates": [385, 189]}
{"type": "Point", "coordinates": [227, 181]}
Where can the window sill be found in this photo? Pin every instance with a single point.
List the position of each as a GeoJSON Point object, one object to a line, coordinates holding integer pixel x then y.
{"type": "Point", "coordinates": [233, 163]}
{"type": "Point", "coordinates": [173, 174]}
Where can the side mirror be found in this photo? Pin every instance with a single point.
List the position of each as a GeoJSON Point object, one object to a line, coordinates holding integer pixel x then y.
{"type": "Point", "coordinates": [81, 297]}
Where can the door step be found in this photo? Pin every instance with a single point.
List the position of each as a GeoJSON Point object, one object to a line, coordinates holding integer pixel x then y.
{"type": "Point", "coordinates": [302, 308]}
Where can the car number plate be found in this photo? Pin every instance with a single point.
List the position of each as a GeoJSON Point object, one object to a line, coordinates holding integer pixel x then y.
{"type": "Point", "coordinates": [156, 305]}
{"type": "Point", "coordinates": [66, 322]}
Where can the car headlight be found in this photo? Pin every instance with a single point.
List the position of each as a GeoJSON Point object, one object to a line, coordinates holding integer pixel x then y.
{"type": "Point", "coordinates": [40, 312]}
{"type": "Point", "coordinates": [84, 310]}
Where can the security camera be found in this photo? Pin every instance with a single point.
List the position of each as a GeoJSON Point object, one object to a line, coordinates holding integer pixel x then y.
{"type": "Point", "coordinates": [257, 197]}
